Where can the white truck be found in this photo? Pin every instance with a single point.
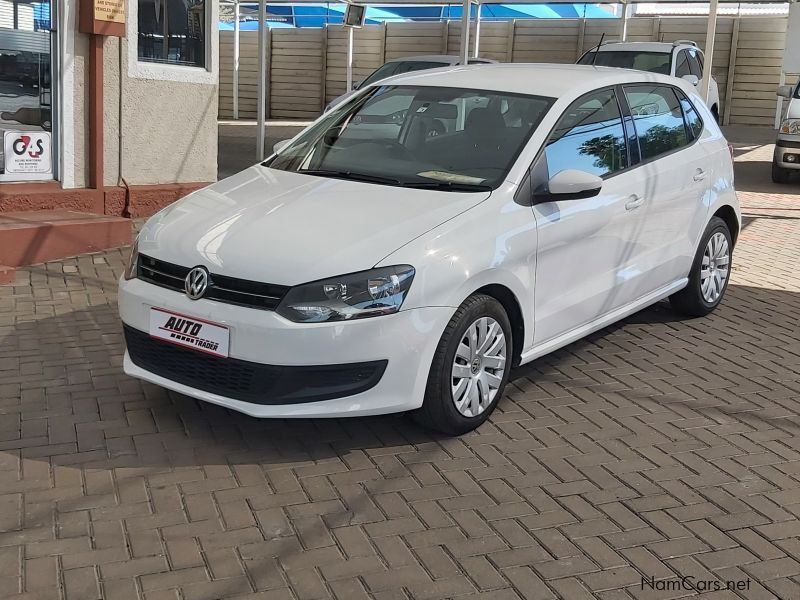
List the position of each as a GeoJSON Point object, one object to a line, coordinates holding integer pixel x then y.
{"type": "Point", "coordinates": [787, 147]}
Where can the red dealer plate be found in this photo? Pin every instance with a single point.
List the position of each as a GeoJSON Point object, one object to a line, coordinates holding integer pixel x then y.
{"type": "Point", "coordinates": [189, 332]}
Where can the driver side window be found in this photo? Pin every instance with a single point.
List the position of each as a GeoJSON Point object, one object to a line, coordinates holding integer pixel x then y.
{"type": "Point", "coordinates": [589, 137]}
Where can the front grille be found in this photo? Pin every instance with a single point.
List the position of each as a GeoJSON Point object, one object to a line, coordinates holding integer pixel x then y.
{"type": "Point", "coordinates": [222, 288]}
{"type": "Point", "coordinates": [249, 381]}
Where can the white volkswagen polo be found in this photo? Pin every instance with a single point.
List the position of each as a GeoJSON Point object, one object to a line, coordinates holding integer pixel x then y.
{"type": "Point", "coordinates": [369, 267]}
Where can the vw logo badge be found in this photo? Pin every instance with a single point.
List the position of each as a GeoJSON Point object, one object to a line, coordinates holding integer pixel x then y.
{"type": "Point", "coordinates": [196, 283]}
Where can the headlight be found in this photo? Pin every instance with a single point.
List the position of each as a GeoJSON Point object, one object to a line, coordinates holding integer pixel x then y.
{"type": "Point", "coordinates": [791, 126]}
{"type": "Point", "coordinates": [130, 270]}
{"type": "Point", "coordinates": [356, 296]}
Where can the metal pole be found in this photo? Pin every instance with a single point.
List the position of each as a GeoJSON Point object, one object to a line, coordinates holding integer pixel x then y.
{"type": "Point", "coordinates": [349, 58]}
{"type": "Point", "coordinates": [236, 59]}
{"type": "Point", "coordinates": [623, 34]}
{"type": "Point", "coordinates": [709, 54]}
{"type": "Point", "coordinates": [262, 77]}
{"type": "Point", "coordinates": [464, 54]}
{"type": "Point", "coordinates": [476, 50]}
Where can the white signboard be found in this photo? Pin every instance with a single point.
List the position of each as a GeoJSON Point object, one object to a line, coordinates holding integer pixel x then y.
{"type": "Point", "coordinates": [27, 153]}
{"type": "Point", "coordinates": [189, 332]}
{"type": "Point", "coordinates": [791, 56]}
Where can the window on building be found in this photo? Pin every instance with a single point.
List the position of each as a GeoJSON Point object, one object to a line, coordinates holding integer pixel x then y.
{"type": "Point", "coordinates": [173, 32]}
{"type": "Point", "coordinates": [589, 137]}
{"type": "Point", "coordinates": [658, 118]}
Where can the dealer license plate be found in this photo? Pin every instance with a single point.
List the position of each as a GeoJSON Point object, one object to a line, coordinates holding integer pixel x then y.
{"type": "Point", "coordinates": [189, 332]}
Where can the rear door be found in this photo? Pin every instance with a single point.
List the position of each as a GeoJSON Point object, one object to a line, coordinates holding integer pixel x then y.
{"type": "Point", "coordinates": [676, 171]}
{"type": "Point", "coordinates": [587, 258]}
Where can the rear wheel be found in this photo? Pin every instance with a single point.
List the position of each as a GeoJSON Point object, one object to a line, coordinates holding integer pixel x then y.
{"type": "Point", "coordinates": [779, 174]}
{"type": "Point", "coordinates": [710, 272]}
{"type": "Point", "coordinates": [470, 368]}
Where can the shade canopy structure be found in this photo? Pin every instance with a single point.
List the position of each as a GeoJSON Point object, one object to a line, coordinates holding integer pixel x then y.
{"type": "Point", "coordinates": [472, 10]}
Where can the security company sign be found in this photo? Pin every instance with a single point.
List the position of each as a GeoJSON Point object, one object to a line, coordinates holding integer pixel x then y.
{"type": "Point", "coordinates": [27, 152]}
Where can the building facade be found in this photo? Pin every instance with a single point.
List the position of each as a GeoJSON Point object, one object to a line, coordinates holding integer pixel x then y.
{"type": "Point", "coordinates": [106, 124]}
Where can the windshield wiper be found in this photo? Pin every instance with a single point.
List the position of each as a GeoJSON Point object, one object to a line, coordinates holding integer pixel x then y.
{"type": "Point", "coordinates": [365, 177]}
{"type": "Point", "coordinates": [452, 186]}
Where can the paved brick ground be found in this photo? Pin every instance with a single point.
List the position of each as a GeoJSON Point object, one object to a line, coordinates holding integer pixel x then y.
{"type": "Point", "coordinates": [658, 448]}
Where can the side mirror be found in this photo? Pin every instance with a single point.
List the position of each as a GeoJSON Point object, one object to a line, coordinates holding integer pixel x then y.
{"type": "Point", "coordinates": [280, 145]}
{"type": "Point", "coordinates": [569, 184]}
{"type": "Point", "coordinates": [693, 79]}
{"type": "Point", "coordinates": [785, 91]}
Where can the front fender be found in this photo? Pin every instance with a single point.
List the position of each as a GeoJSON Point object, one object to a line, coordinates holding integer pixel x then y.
{"type": "Point", "coordinates": [493, 243]}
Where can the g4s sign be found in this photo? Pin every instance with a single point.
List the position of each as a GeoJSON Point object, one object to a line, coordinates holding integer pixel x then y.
{"type": "Point", "coordinates": [27, 152]}
{"type": "Point", "coordinates": [22, 145]}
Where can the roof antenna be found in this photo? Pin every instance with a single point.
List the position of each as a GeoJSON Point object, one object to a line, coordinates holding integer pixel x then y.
{"type": "Point", "coordinates": [597, 48]}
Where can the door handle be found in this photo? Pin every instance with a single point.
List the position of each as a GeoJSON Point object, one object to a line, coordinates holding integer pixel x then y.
{"type": "Point", "coordinates": [699, 175]}
{"type": "Point", "coordinates": [634, 202]}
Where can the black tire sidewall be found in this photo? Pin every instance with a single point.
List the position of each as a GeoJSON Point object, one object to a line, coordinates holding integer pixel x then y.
{"type": "Point", "coordinates": [478, 306]}
{"type": "Point", "coordinates": [716, 225]}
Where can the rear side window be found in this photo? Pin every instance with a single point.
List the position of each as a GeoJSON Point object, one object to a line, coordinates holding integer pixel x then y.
{"type": "Point", "coordinates": [589, 137]}
{"type": "Point", "coordinates": [694, 124]}
{"type": "Point", "coordinates": [682, 64]}
{"type": "Point", "coordinates": [695, 64]}
{"type": "Point", "coordinates": [658, 119]}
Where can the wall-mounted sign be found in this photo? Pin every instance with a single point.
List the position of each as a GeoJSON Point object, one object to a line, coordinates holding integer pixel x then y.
{"type": "Point", "coordinates": [102, 17]}
{"type": "Point", "coordinates": [109, 10]}
{"type": "Point", "coordinates": [27, 153]}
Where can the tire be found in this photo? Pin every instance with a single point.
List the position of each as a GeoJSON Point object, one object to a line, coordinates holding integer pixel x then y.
{"type": "Point", "coordinates": [779, 174]}
{"type": "Point", "coordinates": [715, 113]}
{"type": "Point", "coordinates": [439, 410]}
{"type": "Point", "coordinates": [692, 300]}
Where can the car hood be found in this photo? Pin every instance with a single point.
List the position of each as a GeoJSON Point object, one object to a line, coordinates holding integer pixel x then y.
{"type": "Point", "coordinates": [287, 228]}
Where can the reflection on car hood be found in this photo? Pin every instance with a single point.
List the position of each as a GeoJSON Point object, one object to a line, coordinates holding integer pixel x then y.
{"type": "Point", "coordinates": [288, 228]}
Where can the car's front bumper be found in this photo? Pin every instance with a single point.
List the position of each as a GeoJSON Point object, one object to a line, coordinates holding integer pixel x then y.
{"type": "Point", "coordinates": [786, 147]}
{"type": "Point", "coordinates": [405, 342]}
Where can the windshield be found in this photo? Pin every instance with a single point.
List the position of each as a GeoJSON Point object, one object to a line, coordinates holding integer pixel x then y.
{"type": "Point", "coordinates": [437, 137]}
{"type": "Point", "coordinates": [396, 68]}
{"type": "Point", "coordinates": [655, 62]}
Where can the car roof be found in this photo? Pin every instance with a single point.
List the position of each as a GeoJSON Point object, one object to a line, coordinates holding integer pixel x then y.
{"type": "Point", "coordinates": [437, 58]}
{"type": "Point", "coordinates": [665, 47]}
{"type": "Point", "coordinates": [538, 79]}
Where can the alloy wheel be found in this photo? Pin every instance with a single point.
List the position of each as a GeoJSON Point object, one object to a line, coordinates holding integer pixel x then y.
{"type": "Point", "coordinates": [478, 366]}
{"type": "Point", "coordinates": [714, 268]}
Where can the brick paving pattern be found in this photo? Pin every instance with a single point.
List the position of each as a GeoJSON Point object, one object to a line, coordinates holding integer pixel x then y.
{"type": "Point", "coordinates": [656, 448]}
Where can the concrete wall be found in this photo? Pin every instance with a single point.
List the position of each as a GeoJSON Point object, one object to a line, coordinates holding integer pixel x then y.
{"type": "Point", "coordinates": [168, 128]}
{"type": "Point", "coordinates": [307, 67]}
{"type": "Point", "coordinates": [164, 129]}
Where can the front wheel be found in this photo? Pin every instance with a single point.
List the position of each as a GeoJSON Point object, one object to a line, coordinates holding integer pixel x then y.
{"type": "Point", "coordinates": [710, 272]}
{"type": "Point", "coordinates": [779, 174]}
{"type": "Point", "coordinates": [470, 368]}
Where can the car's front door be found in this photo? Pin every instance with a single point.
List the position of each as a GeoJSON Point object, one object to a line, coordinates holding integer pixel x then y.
{"type": "Point", "coordinates": [588, 256]}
